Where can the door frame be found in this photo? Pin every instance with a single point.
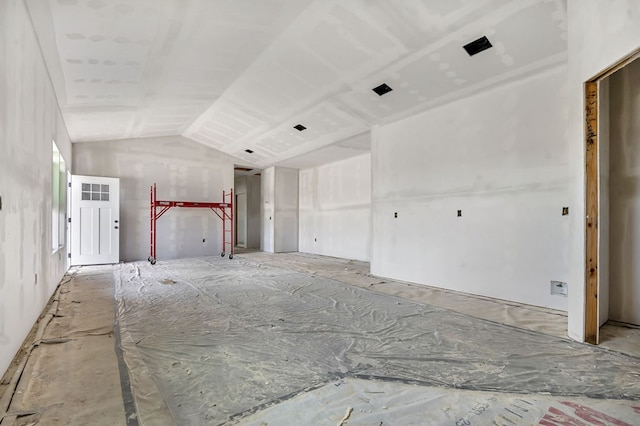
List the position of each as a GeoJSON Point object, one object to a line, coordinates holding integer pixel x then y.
{"type": "Point", "coordinates": [592, 189]}
{"type": "Point", "coordinates": [76, 224]}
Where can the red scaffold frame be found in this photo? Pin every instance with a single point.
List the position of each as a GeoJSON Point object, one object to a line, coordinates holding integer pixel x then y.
{"type": "Point", "coordinates": [224, 210]}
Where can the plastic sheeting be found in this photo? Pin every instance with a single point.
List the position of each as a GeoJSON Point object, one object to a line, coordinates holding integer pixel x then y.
{"type": "Point", "coordinates": [384, 403]}
{"type": "Point", "coordinates": [211, 340]}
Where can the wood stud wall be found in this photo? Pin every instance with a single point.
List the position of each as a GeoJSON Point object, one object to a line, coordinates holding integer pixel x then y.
{"type": "Point", "coordinates": [591, 159]}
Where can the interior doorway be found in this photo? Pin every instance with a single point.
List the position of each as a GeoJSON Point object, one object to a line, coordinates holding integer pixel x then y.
{"type": "Point", "coordinates": [623, 89]}
{"type": "Point", "coordinates": [241, 220]}
{"type": "Point", "coordinates": [248, 204]}
{"type": "Point", "coordinates": [612, 227]}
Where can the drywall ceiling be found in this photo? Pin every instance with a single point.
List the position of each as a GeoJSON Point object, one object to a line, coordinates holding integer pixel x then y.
{"type": "Point", "coordinates": [239, 74]}
{"type": "Point", "coordinates": [346, 148]}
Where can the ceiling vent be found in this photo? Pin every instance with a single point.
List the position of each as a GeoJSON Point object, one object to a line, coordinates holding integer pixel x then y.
{"type": "Point", "coordinates": [248, 151]}
{"type": "Point", "coordinates": [477, 46]}
{"type": "Point", "coordinates": [299, 127]}
{"type": "Point", "coordinates": [382, 89]}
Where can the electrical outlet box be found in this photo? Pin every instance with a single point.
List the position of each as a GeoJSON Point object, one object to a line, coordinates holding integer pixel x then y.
{"type": "Point", "coordinates": [559, 288]}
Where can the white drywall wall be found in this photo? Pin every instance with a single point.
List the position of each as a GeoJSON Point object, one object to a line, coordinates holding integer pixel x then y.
{"type": "Point", "coordinates": [624, 290]}
{"type": "Point", "coordinates": [335, 209]}
{"type": "Point", "coordinates": [501, 158]}
{"type": "Point", "coordinates": [599, 34]}
{"type": "Point", "coordinates": [253, 212]}
{"type": "Point", "coordinates": [183, 170]}
{"type": "Point", "coordinates": [286, 210]}
{"type": "Point", "coordinates": [279, 210]}
{"type": "Point", "coordinates": [29, 120]}
{"type": "Point", "coordinates": [267, 209]}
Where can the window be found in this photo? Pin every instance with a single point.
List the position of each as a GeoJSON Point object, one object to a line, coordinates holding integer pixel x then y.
{"type": "Point", "coordinates": [95, 192]}
{"type": "Point", "coordinates": [58, 199]}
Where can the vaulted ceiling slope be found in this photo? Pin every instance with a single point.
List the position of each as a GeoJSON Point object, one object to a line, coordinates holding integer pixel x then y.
{"type": "Point", "coordinates": [238, 75]}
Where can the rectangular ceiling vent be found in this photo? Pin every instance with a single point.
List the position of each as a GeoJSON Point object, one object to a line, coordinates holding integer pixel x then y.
{"type": "Point", "coordinates": [248, 151]}
{"type": "Point", "coordinates": [382, 89]}
{"type": "Point", "coordinates": [299, 127]}
{"type": "Point", "coordinates": [478, 46]}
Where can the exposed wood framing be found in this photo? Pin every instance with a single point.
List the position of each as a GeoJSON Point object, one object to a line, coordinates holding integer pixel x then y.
{"type": "Point", "coordinates": [591, 159]}
{"type": "Point", "coordinates": [591, 321]}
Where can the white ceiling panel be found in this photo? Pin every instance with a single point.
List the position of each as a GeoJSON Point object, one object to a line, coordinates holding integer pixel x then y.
{"type": "Point", "coordinates": [239, 74]}
{"type": "Point", "coordinates": [347, 148]}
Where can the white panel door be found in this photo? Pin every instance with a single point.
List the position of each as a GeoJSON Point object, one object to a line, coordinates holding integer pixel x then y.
{"type": "Point", "coordinates": [95, 220]}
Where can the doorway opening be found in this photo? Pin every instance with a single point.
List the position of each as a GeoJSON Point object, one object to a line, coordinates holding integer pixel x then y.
{"type": "Point", "coordinates": [612, 287]}
{"type": "Point", "coordinates": [247, 190]}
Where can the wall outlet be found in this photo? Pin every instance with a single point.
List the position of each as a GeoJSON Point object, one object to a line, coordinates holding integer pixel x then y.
{"type": "Point", "coordinates": [559, 288]}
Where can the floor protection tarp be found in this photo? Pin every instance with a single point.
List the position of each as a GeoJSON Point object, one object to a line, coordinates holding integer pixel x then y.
{"type": "Point", "coordinates": [210, 340]}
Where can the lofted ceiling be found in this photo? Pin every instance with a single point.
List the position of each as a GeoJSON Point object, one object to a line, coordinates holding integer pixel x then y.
{"type": "Point", "coordinates": [238, 75]}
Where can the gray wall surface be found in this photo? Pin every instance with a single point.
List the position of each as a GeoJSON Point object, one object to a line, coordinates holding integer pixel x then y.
{"type": "Point", "coordinates": [490, 157]}
{"type": "Point", "coordinates": [254, 222]}
{"type": "Point", "coordinates": [624, 273]}
{"type": "Point", "coordinates": [286, 210]}
{"type": "Point", "coordinates": [335, 209]}
{"type": "Point", "coordinates": [183, 170]}
{"type": "Point", "coordinates": [29, 120]}
{"type": "Point", "coordinates": [279, 210]}
{"type": "Point", "coordinates": [594, 44]}
{"type": "Point", "coordinates": [267, 209]}
{"type": "Point", "coordinates": [250, 186]}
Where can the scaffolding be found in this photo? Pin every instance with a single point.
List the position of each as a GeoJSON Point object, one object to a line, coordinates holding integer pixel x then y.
{"type": "Point", "coordinates": [223, 210]}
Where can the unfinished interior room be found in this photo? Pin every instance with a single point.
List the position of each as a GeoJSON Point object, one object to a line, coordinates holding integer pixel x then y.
{"type": "Point", "coordinates": [320, 212]}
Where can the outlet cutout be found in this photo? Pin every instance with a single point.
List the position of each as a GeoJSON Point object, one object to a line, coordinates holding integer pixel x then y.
{"type": "Point", "coordinates": [559, 288]}
{"type": "Point", "coordinates": [565, 211]}
{"type": "Point", "coordinates": [395, 215]}
{"type": "Point", "coordinates": [203, 240]}
{"type": "Point", "coordinates": [459, 213]}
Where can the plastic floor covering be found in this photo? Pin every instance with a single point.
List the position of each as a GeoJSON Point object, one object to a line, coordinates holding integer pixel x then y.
{"type": "Point", "coordinates": [214, 341]}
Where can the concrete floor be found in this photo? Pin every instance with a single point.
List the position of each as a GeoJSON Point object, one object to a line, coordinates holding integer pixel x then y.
{"type": "Point", "coordinates": [72, 375]}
